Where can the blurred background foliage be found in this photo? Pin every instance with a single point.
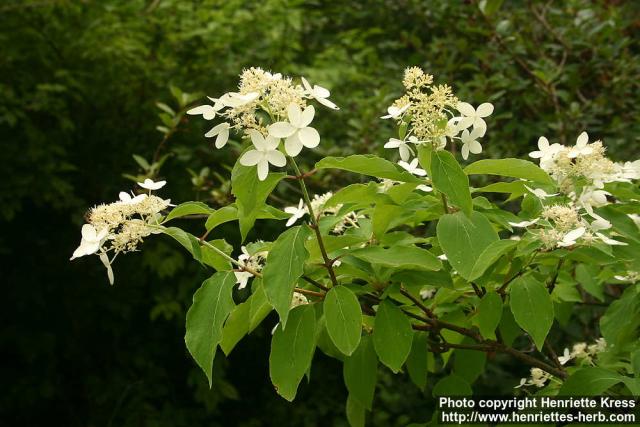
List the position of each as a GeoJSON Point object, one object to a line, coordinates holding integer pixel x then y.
{"type": "Point", "coordinates": [80, 83]}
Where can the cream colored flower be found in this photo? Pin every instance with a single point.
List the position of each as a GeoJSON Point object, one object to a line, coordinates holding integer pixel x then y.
{"type": "Point", "coordinates": [297, 131]}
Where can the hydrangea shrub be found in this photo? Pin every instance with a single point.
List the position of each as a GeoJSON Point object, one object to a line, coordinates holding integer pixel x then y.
{"type": "Point", "coordinates": [419, 266]}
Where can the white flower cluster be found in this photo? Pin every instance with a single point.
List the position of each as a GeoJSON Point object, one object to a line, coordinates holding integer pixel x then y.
{"type": "Point", "coordinates": [580, 351]}
{"type": "Point", "coordinates": [348, 220]}
{"type": "Point", "coordinates": [580, 172]}
{"type": "Point", "coordinates": [431, 114]}
{"type": "Point", "coordinates": [252, 262]}
{"type": "Point", "coordinates": [267, 108]}
{"type": "Point", "coordinates": [121, 226]}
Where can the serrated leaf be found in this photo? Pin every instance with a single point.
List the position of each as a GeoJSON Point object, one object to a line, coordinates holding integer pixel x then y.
{"type": "Point", "coordinates": [448, 177]}
{"type": "Point", "coordinates": [343, 317]}
{"type": "Point", "coordinates": [188, 208]}
{"type": "Point", "coordinates": [212, 303]}
{"type": "Point", "coordinates": [392, 335]}
{"type": "Point", "coordinates": [491, 254]}
{"type": "Point", "coordinates": [360, 372]}
{"type": "Point", "coordinates": [292, 351]}
{"type": "Point", "coordinates": [515, 168]}
{"type": "Point", "coordinates": [251, 194]}
{"type": "Point", "coordinates": [401, 257]}
{"type": "Point", "coordinates": [464, 238]}
{"type": "Point", "coordinates": [489, 314]}
{"type": "Point", "coordinates": [532, 307]}
{"type": "Point", "coordinates": [285, 265]}
{"type": "Point", "coordinates": [367, 164]}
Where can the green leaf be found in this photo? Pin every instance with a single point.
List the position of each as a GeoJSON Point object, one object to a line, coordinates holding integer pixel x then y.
{"type": "Point", "coordinates": [355, 412]}
{"type": "Point", "coordinates": [452, 385]}
{"type": "Point", "coordinates": [448, 178]}
{"type": "Point", "coordinates": [587, 278]}
{"type": "Point", "coordinates": [285, 265]}
{"type": "Point", "coordinates": [360, 372]}
{"type": "Point", "coordinates": [392, 335]}
{"type": "Point", "coordinates": [214, 259]}
{"type": "Point", "coordinates": [591, 381]}
{"type": "Point", "coordinates": [292, 351]}
{"type": "Point", "coordinates": [515, 168]}
{"type": "Point", "coordinates": [367, 164]}
{"type": "Point", "coordinates": [251, 194]}
{"type": "Point", "coordinates": [245, 317]}
{"type": "Point", "coordinates": [417, 362]}
{"type": "Point", "coordinates": [188, 241]}
{"type": "Point", "coordinates": [212, 303]}
{"type": "Point", "coordinates": [464, 238]}
{"type": "Point", "coordinates": [489, 7]}
{"type": "Point", "coordinates": [188, 208]}
{"type": "Point", "coordinates": [344, 318]}
{"type": "Point", "coordinates": [220, 216]}
{"type": "Point", "coordinates": [532, 307]}
{"type": "Point", "coordinates": [491, 254]}
{"type": "Point", "coordinates": [141, 161]}
{"type": "Point", "coordinates": [401, 257]}
{"type": "Point", "coordinates": [489, 314]}
{"type": "Point", "coordinates": [383, 217]}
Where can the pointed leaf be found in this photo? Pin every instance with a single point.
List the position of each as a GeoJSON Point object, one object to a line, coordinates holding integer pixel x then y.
{"type": "Point", "coordinates": [188, 208]}
{"type": "Point", "coordinates": [405, 257]}
{"type": "Point", "coordinates": [515, 168]}
{"type": "Point", "coordinates": [418, 358]}
{"type": "Point", "coordinates": [491, 254]}
{"type": "Point", "coordinates": [448, 177]}
{"type": "Point", "coordinates": [360, 372]}
{"type": "Point", "coordinates": [591, 381]}
{"type": "Point", "coordinates": [212, 303]}
{"type": "Point", "coordinates": [532, 308]}
{"type": "Point", "coordinates": [489, 314]}
{"type": "Point", "coordinates": [344, 318]}
{"type": "Point", "coordinates": [392, 335]}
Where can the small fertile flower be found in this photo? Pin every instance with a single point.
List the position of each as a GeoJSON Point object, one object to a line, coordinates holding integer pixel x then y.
{"type": "Point", "coordinates": [221, 132]}
{"type": "Point", "coordinates": [524, 224]}
{"type": "Point", "coordinates": [297, 131]}
{"type": "Point", "coordinates": [470, 142]}
{"type": "Point", "coordinates": [582, 146]}
{"type": "Point", "coordinates": [475, 117]}
{"type": "Point", "coordinates": [266, 151]}
{"type": "Point", "coordinates": [395, 112]}
{"type": "Point", "coordinates": [413, 167]}
{"type": "Point", "coordinates": [296, 212]}
{"type": "Point", "coordinates": [539, 192]}
{"type": "Point", "coordinates": [545, 151]}
{"type": "Point", "coordinates": [405, 151]}
{"type": "Point", "coordinates": [570, 238]}
{"type": "Point", "coordinates": [127, 199]}
{"type": "Point", "coordinates": [208, 112]}
{"type": "Point", "coordinates": [149, 184]}
{"type": "Point", "coordinates": [91, 241]}
{"type": "Point", "coordinates": [318, 93]}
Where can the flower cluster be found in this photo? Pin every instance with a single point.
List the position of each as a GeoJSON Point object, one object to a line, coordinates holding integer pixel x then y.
{"type": "Point", "coordinates": [249, 263]}
{"type": "Point", "coordinates": [425, 114]}
{"type": "Point", "coordinates": [121, 226]}
{"type": "Point", "coordinates": [267, 108]}
{"type": "Point", "coordinates": [582, 351]}
{"type": "Point", "coordinates": [580, 173]}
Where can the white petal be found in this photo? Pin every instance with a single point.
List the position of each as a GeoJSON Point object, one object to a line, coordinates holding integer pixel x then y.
{"type": "Point", "coordinates": [574, 234]}
{"type": "Point", "coordinates": [536, 154]}
{"type": "Point", "coordinates": [485, 109]}
{"type": "Point", "coordinates": [271, 143]}
{"type": "Point", "coordinates": [263, 169]}
{"type": "Point", "coordinates": [394, 143]}
{"type": "Point", "coordinates": [405, 152]}
{"type": "Point", "coordinates": [475, 147]}
{"type": "Point", "coordinates": [293, 145]}
{"type": "Point", "coordinates": [543, 143]}
{"type": "Point", "coordinates": [294, 113]}
{"type": "Point", "coordinates": [306, 85]}
{"type": "Point", "coordinates": [321, 92]}
{"type": "Point", "coordinates": [88, 232]}
{"type": "Point", "coordinates": [292, 221]}
{"type": "Point", "coordinates": [307, 116]}
{"type": "Point", "coordinates": [208, 112]}
{"type": "Point", "coordinates": [309, 137]}
{"type": "Point", "coordinates": [465, 122]}
{"type": "Point", "coordinates": [465, 151]}
{"type": "Point", "coordinates": [327, 103]}
{"type": "Point", "coordinates": [251, 158]}
{"type": "Point", "coordinates": [479, 127]}
{"type": "Point", "coordinates": [466, 109]}
{"type": "Point", "coordinates": [276, 158]}
{"type": "Point", "coordinates": [222, 138]}
{"type": "Point", "coordinates": [124, 196]}
{"type": "Point", "coordinates": [583, 139]}
{"type": "Point", "coordinates": [217, 129]}
{"type": "Point", "coordinates": [281, 129]}
{"type": "Point", "coordinates": [257, 140]}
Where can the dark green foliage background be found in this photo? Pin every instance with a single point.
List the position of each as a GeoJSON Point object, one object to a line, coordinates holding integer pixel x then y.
{"type": "Point", "coordinates": [78, 84]}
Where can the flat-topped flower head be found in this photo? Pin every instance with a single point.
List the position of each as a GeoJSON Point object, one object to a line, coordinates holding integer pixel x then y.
{"type": "Point", "coordinates": [470, 142]}
{"type": "Point", "coordinates": [265, 153]}
{"type": "Point", "coordinates": [297, 131]}
{"type": "Point", "coordinates": [90, 242]}
{"type": "Point", "coordinates": [221, 132]}
{"type": "Point", "coordinates": [413, 167]}
{"type": "Point", "coordinates": [318, 93]}
{"type": "Point", "coordinates": [473, 116]}
{"type": "Point", "coordinates": [149, 184]}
